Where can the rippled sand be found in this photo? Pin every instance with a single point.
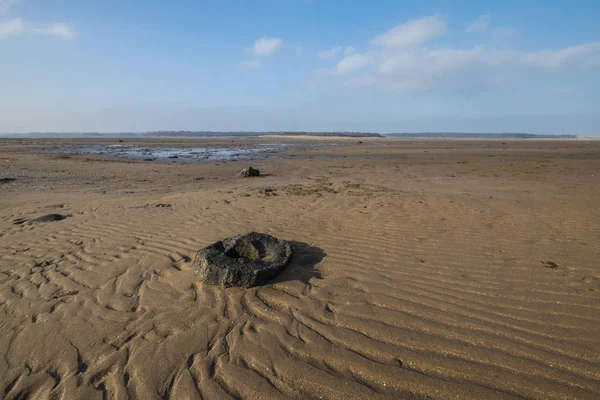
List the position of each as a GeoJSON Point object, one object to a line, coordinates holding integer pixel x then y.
{"type": "Point", "coordinates": [417, 274]}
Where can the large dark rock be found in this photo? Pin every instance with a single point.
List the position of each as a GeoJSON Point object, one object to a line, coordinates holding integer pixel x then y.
{"type": "Point", "coordinates": [243, 260]}
{"type": "Point", "coordinates": [248, 172]}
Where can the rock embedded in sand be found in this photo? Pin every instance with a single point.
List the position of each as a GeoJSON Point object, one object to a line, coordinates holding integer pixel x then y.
{"type": "Point", "coordinates": [49, 218]}
{"type": "Point", "coordinates": [7, 180]}
{"type": "Point", "coordinates": [249, 172]}
{"type": "Point", "coordinates": [243, 260]}
{"type": "Point", "coordinates": [44, 218]}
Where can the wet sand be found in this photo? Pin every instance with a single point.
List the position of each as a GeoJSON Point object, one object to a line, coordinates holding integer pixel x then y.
{"type": "Point", "coordinates": [421, 270]}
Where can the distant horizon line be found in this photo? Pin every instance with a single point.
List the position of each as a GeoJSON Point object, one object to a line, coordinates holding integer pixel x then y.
{"type": "Point", "coordinates": [275, 132]}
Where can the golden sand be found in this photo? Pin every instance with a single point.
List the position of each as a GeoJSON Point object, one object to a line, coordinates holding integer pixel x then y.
{"type": "Point", "coordinates": [417, 273]}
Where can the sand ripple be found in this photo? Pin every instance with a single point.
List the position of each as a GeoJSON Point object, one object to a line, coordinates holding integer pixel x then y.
{"type": "Point", "coordinates": [393, 292]}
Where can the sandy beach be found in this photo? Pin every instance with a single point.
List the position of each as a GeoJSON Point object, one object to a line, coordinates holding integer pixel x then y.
{"type": "Point", "coordinates": [422, 269]}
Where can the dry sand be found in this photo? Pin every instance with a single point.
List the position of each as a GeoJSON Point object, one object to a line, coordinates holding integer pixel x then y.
{"type": "Point", "coordinates": [417, 274]}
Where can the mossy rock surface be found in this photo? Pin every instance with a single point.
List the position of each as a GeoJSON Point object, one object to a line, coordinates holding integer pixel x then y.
{"type": "Point", "coordinates": [244, 260]}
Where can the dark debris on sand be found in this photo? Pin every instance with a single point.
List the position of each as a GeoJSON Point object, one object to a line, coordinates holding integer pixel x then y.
{"type": "Point", "coordinates": [42, 219]}
{"type": "Point", "coordinates": [249, 172]}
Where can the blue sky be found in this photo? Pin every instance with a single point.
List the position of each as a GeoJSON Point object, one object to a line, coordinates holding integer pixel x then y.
{"type": "Point", "coordinates": [384, 66]}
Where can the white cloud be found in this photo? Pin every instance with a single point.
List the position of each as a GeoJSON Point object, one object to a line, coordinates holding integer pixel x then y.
{"type": "Point", "coordinates": [412, 33]}
{"type": "Point", "coordinates": [582, 53]}
{"type": "Point", "coordinates": [57, 29]}
{"type": "Point", "coordinates": [16, 27]}
{"type": "Point", "coordinates": [6, 5]}
{"type": "Point", "coordinates": [481, 23]}
{"type": "Point", "coordinates": [354, 62]}
{"type": "Point", "coordinates": [266, 45]}
{"type": "Point", "coordinates": [399, 63]}
{"type": "Point", "coordinates": [12, 27]}
{"type": "Point", "coordinates": [331, 53]}
{"type": "Point", "coordinates": [250, 64]}
{"type": "Point", "coordinates": [421, 68]}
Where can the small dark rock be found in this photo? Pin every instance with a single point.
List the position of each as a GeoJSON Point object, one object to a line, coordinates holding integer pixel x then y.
{"type": "Point", "coordinates": [7, 180]}
{"type": "Point", "coordinates": [149, 159]}
{"type": "Point", "coordinates": [42, 264]}
{"type": "Point", "coordinates": [48, 218]}
{"type": "Point", "coordinates": [360, 142]}
{"type": "Point", "coordinates": [243, 260]}
{"type": "Point", "coordinates": [173, 157]}
{"type": "Point", "coordinates": [44, 218]}
{"type": "Point", "coordinates": [549, 264]}
{"type": "Point", "coordinates": [121, 140]}
{"type": "Point", "coordinates": [249, 172]}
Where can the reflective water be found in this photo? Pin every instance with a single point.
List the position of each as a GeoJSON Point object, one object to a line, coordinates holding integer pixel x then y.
{"type": "Point", "coordinates": [179, 153]}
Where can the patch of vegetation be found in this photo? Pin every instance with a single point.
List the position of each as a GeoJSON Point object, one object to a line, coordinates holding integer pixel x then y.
{"type": "Point", "coordinates": [357, 189]}
{"type": "Point", "coordinates": [324, 187]}
{"type": "Point", "coordinates": [305, 190]}
{"type": "Point", "coordinates": [159, 205]}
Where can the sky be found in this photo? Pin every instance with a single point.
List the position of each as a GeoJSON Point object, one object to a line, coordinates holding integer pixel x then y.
{"type": "Point", "coordinates": [300, 65]}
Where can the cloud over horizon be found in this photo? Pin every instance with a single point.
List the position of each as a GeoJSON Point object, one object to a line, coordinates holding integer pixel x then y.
{"type": "Point", "coordinates": [404, 57]}
{"type": "Point", "coordinates": [483, 25]}
{"type": "Point", "coordinates": [266, 46]}
{"type": "Point", "coordinates": [262, 47]}
{"type": "Point", "coordinates": [412, 33]}
{"type": "Point", "coordinates": [17, 27]}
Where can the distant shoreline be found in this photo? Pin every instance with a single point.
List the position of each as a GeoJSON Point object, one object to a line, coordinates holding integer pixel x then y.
{"type": "Point", "coordinates": [350, 135]}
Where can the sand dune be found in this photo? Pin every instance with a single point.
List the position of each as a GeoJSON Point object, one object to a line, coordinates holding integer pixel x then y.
{"type": "Point", "coordinates": [417, 273]}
